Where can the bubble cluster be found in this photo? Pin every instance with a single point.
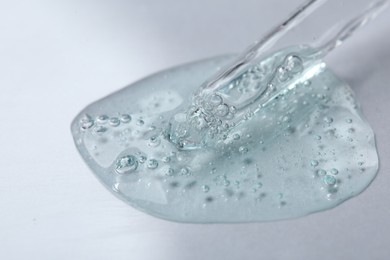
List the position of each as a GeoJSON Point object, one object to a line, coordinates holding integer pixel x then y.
{"type": "Point", "coordinates": [212, 112]}
{"type": "Point", "coordinates": [102, 122]}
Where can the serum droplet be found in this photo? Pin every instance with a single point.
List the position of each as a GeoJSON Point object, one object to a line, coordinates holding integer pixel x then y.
{"type": "Point", "coordinates": [272, 143]}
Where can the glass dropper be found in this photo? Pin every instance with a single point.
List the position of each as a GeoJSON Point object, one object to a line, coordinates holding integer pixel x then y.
{"type": "Point", "coordinates": [318, 25]}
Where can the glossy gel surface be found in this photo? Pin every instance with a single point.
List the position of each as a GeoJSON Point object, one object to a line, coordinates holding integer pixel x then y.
{"type": "Point", "coordinates": [307, 149]}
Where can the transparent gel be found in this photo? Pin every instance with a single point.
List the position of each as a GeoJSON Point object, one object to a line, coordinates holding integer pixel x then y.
{"type": "Point", "coordinates": [273, 135]}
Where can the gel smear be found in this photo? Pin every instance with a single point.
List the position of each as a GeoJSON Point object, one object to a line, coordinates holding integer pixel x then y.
{"type": "Point", "coordinates": [306, 150]}
{"type": "Point", "coordinates": [274, 135]}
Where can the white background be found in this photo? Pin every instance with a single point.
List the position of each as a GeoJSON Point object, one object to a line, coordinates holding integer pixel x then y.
{"type": "Point", "coordinates": [58, 56]}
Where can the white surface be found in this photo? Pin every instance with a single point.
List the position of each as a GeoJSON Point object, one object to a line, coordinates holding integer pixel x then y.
{"type": "Point", "coordinates": [58, 56]}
